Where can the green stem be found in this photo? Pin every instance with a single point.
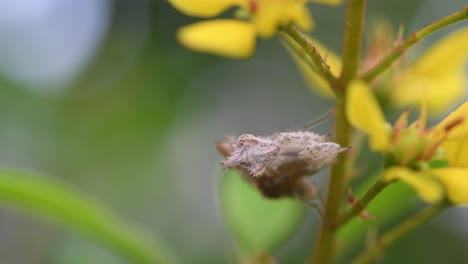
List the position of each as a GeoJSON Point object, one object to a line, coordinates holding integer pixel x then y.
{"type": "Point", "coordinates": [299, 52]}
{"type": "Point", "coordinates": [386, 240]}
{"type": "Point", "coordinates": [325, 244]}
{"type": "Point", "coordinates": [415, 37]}
{"type": "Point", "coordinates": [362, 203]}
{"type": "Point", "coordinates": [352, 40]}
{"type": "Point", "coordinates": [309, 52]}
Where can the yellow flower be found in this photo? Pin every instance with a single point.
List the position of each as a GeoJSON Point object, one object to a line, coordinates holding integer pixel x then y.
{"type": "Point", "coordinates": [437, 75]}
{"type": "Point", "coordinates": [455, 182]}
{"type": "Point", "coordinates": [236, 38]}
{"type": "Point", "coordinates": [427, 187]}
{"type": "Point", "coordinates": [456, 152]}
{"type": "Point", "coordinates": [412, 152]}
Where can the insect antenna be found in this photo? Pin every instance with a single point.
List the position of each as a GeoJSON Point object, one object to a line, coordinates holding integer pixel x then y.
{"type": "Point", "coordinates": [316, 207]}
{"type": "Point", "coordinates": [311, 124]}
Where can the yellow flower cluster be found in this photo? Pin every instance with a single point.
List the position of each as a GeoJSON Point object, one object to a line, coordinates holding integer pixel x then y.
{"type": "Point", "coordinates": [236, 38]}
{"type": "Point", "coordinates": [437, 75]}
{"type": "Point", "coordinates": [436, 81]}
{"type": "Point", "coordinates": [411, 150]}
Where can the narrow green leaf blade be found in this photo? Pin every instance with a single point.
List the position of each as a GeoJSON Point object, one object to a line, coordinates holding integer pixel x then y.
{"type": "Point", "coordinates": [55, 199]}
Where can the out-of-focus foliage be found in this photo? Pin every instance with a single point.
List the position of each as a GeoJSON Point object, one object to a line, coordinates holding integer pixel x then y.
{"type": "Point", "coordinates": [257, 224]}
{"type": "Point", "coordinates": [52, 198]}
{"type": "Point", "coordinates": [134, 127]}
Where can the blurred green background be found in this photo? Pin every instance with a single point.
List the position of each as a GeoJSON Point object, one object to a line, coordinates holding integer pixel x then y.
{"type": "Point", "coordinates": [99, 94]}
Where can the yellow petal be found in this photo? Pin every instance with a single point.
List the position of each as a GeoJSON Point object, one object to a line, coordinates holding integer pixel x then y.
{"type": "Point", "coordinates": [439, 72]}
{"type": "Point", "coordinates": [315, 81]}
{"type": "Point", "coordinates": [268, 17]}
{"type": "Point", "coordinates": [272, 14]}
{"type": "Point", "coordinates": [446, 56]}
{"type": "Point", "coordinates": [427, 188]}
{"type": "Point", "coordinates": [230, 38]}
{"type": "Point", "coordinates": [327, 2]}
{"type": "Point", "coordinates": [204, 8]}
{"type": "Point", "coordinates": [455, 181]}
{"type": "Point", "coordinates": [422, 119]}
{"type": "Point", "coordinates": [300, 15]}
{"type": "Point", "coordinates": [458, 117]}
{"type": "Point", "coordinates": [440, 91]}
{"type": "Point", "coordinates": [456, 152]}
{"type": "Point", "coordinates": [364, 113]}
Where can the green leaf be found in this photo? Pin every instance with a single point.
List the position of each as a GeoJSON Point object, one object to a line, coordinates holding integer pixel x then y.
{"type": "Point", "coordinates": [436, 164]}
{"type": "Point", "coordinates": [52, 198]}
{"type": "Point", "coordinates": [257, 224]}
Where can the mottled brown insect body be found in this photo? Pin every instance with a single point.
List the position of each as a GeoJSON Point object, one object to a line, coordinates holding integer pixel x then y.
{"type": "Point", "coordinates": [277, 164]}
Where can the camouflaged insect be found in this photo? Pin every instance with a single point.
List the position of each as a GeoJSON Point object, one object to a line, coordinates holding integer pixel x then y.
{"type": "Point", "coordinates": [263, 156]}
{"type": "Point", "coordinates": [277, 164]}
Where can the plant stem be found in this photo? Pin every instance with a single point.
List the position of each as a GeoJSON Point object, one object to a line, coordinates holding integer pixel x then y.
{"type": "Point", "coordinates": [325, 244]}
{"type": "Point", "coordinates": [415, 37]}
{"type": "Point", "coordinates": [398, 232]}
{"type": "Point", "coordinates": [299, 52]}
{"type": "Point", "coordinates": [362, 203]}
{"type": "Point", "coordinates": [352, 40]}
{"type": "Point", "coordinates": [310, 51]}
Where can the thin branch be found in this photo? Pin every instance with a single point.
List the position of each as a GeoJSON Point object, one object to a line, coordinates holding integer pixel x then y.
{"type": "Point", "coordinates": [319, 63]}
{"type": "Point", "coordinates": [299, 51]}
{"type": "Point", "coordinates": [414, 38]}
{"type": "Point", "coordinates": [387, 239]}
{"type": "Point", "coordinates": [362, 203]}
